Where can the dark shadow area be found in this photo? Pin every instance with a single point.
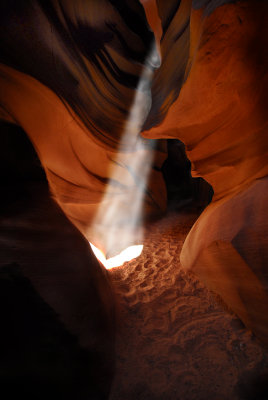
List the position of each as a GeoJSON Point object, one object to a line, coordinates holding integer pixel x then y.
{"type": "Point", "coordinates": [183, 191]}
{"type": "Point", "coordinates": [40, 359]}
{"type": "Point", "coordinates": [253, 387]}
{"type": "Point", "coordinates": [19, 164]}
{"type": "Point", "coordinates": [56, 303]}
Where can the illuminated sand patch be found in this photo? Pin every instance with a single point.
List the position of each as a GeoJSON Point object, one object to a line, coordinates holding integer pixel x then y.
{"type": "Point", "coordinates": [127, 254]}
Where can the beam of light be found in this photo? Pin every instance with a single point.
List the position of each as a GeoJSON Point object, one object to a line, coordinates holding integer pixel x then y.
{"type": "Point", "coordinates": [118, 223]}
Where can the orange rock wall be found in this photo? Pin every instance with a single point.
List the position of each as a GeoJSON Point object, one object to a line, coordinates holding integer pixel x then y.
{"type": "Point", "coordinates": [69, 77]}
{"type": "Point", "coordinates": [220, 116]}
{"type": "Point", "coordinates": [210, 91]}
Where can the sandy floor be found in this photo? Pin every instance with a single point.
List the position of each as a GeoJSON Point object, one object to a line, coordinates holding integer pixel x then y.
{"type": "Point", "coordinates": [175, 340]}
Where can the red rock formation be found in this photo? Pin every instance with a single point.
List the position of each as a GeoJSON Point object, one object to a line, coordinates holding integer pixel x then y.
{"type": "Point", "coordinates": [73, 98]}
{"type": "Point", "coordinates": [221, 117]}
{"type": "Point", "coordinates": [77, 166]}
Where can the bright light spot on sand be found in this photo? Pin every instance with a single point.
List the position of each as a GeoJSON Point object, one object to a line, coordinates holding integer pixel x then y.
{"type": "Point", "coordinates": [126, 255]}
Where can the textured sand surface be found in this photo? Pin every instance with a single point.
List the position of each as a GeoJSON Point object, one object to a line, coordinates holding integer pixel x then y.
{"type": "Point", "coordinates": [175, 340]}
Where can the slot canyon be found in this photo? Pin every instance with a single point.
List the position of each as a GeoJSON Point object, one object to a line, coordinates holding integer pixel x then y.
{"type": "Point", "coordinates": [134, 123]}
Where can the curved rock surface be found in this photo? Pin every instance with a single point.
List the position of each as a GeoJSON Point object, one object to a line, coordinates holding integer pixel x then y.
{"type": "Point", "coordinates": [73, 98]}
{"type": "Point", "coordinates": [220, 116]}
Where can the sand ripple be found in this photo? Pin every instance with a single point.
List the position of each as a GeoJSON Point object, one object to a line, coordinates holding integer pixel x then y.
{"type": "Point", "coordinates": [174, 339]}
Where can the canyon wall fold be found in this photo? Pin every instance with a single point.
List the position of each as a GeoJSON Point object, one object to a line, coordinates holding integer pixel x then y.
{"type": "Point", "coordinates": [220, 115]}
{"type": "Point", "coordinates": [70, 74]}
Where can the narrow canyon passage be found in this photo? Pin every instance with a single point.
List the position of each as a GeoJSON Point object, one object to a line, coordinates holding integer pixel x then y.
{"type": "Point", "coordinates": [175, 339]}
{"type": "Point", "coordinates": [114, 113]}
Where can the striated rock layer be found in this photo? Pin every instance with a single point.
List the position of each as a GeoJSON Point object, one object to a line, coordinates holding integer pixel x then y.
{"type": "Point", "coordinates": [69, 76]}
{"type": "Point", "coordinates": [220, 115]}
{"type": "Point", "coordinates": [73, 96]}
